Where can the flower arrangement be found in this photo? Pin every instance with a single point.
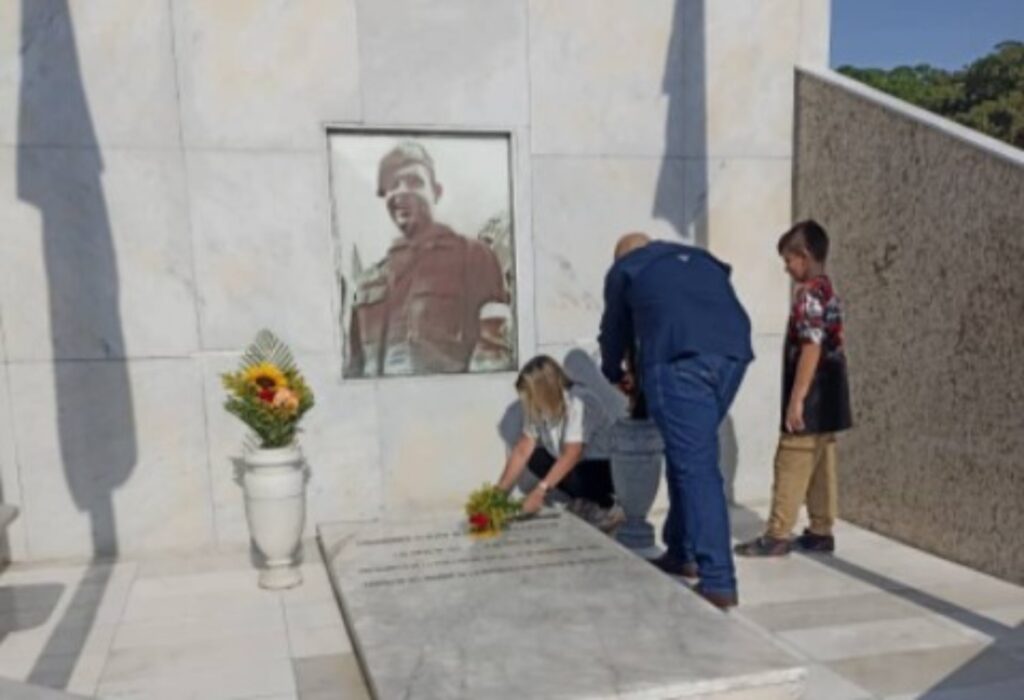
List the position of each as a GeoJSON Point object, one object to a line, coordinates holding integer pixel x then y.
{"type": "Point", "coordinates": [268, 393]}
{"type": "Point", "coordinates": [489, 509]}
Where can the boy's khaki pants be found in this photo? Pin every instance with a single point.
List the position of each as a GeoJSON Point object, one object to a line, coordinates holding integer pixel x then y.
{"type": "Point", "coordinates": [805, 470]}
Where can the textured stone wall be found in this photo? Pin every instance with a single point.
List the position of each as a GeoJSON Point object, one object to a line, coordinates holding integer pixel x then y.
{"type": "Point", "coordinates": [164, 194]}
{"type": "Point", "coordinates": [927, 224]}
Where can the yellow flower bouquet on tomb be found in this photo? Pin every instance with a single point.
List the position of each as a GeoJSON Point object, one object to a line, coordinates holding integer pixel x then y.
{"type": "Point", "coordinates": [267, 392]}
{"type": "Point", "coordinates": [489, 510]}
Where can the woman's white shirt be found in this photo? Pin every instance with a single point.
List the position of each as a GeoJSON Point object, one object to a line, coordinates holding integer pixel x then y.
{"type": "Point", "coordinates": [585, 421]}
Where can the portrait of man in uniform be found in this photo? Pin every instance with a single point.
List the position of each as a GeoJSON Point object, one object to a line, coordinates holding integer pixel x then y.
{"type": "Point", "coordinates": [425, 263]}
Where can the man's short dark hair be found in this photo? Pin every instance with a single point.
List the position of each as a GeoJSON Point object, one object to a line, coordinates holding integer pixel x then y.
{"type": "Point", "coordinates": [805, 237]}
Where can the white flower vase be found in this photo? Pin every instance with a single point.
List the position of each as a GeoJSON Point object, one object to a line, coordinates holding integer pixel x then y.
{"type": "Point", "coordinates": [275, 506]}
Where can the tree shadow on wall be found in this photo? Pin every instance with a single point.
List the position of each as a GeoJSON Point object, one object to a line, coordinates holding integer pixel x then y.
{"type": "Point", "coordinates": [60, 172]}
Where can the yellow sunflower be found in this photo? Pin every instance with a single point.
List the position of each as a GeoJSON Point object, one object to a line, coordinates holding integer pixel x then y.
{"type": "Point", "coordinates": [266, 375]}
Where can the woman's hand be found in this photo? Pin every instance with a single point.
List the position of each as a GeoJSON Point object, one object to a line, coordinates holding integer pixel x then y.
{"type": "Point", "coordinates": [534, 502]}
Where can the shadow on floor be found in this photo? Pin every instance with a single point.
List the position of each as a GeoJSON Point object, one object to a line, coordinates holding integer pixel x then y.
{"type": "Point", "coordinates": [1007, 640]}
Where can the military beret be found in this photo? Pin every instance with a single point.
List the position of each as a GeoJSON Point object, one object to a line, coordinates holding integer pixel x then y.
{"type": "Point", "coordinates": [405, 153]}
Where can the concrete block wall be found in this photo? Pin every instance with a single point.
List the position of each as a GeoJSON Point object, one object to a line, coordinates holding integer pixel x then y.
{"type": "Point", "coordinates": [927, 219]}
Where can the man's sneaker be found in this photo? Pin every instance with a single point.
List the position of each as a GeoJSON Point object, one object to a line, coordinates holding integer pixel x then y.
{"type": "Point", "coordinates": [809, 542]}
{"type": "Point", "coordinates": [719, 600]}
{"type": "Point", "coordinates": [763, 546]}
{"type": "Point", "coordinates": [722, 601]}
{"type": "Point", "coordinates": [673, 567]}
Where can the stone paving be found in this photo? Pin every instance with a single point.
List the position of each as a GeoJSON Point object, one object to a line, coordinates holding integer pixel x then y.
{"type": "Point", "coordinates": [877, 620]}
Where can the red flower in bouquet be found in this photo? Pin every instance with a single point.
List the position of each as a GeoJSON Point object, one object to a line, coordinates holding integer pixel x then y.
{"type": "Point", "coordinates": [267, 395]}
{"type": "Point", "coordinates": [479, 521]}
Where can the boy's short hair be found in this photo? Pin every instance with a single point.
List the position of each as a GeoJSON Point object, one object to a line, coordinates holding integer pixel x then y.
{"type": "Point", "coordinates": [805, 237]}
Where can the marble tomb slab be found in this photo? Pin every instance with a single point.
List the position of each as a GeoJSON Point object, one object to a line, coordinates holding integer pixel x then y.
{"type": "Point", "coordinates": [551, 608]}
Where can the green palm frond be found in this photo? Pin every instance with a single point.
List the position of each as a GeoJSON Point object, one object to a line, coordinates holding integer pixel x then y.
{"type": "Point", "coordinates": [267, 347]}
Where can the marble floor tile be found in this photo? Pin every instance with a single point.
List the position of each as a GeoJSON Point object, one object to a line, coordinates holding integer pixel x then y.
{"type": "Point", "coordinates": [944, 669]}
{"type": "Point", "coordinates": [76, 673]}
{"type": "Point", "coordinates": [330, 676]}
{"type": "Point", "coordinates": [825, 684]}
{"type": "Point", "coordinates": [323, 613]}
{"type": "Point", "coordinates": [318, 641]}
{"type": "Point", "coordinates": [15, 690]}
{"type": "Point", "coordinates": [204, 583]}
{"type": "Point", "coordinates": [222, 608]}
{"type": "Point", "coordinates": [202, 562]}
{"type": "Point", "coordinates": [829, 612]}
{"type": "Point", "coordinates": [195, 624]}
{"type": "Point", "coordinates": [223, 679]}
{"type": "Point", "coordinates": [262, 638]}
{"type": "Point", "coordinates": [794, 578]}
{"type": "Point", "coordinates": [884, 636]}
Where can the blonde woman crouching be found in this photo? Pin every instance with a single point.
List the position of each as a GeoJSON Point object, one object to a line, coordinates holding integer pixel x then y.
{"type": "Point", "coordinates": [564, 444]}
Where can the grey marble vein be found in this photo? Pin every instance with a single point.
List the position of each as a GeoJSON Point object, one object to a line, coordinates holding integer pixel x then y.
{"type": "Point", "coordinates": [550, 609]}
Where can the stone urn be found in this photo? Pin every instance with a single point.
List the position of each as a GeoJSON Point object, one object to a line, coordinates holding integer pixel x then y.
{"type": "Point", "coordinates": [274, 483]}
{"type": "Point", "coordinates": [637, 453]}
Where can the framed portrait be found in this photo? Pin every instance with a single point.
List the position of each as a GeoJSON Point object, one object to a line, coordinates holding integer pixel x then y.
{"type": "Point", "coordinates": [424, 254]}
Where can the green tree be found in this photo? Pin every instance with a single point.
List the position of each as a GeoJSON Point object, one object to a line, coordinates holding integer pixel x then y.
{"type": "Point", "coordinates": [987, 95]}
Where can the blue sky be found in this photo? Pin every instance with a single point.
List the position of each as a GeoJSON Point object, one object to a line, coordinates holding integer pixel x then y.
{"type": "Point", "coordinates": [944, 33]}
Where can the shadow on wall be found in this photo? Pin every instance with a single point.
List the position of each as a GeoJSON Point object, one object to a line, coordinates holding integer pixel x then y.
{"type": "Point", "coordinates": [681, 196]}
{"type": "Point", "coordinates": [93, 393]}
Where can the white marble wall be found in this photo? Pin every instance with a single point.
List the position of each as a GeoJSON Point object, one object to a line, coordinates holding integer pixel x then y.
{"type": "Point", "coordinates": [163, 195]}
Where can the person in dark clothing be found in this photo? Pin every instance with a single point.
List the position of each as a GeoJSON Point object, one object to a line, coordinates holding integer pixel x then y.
{"type": "Point", "coordinates": [674, 307]}
{"type": "Point", "coordinates": [815, 401]}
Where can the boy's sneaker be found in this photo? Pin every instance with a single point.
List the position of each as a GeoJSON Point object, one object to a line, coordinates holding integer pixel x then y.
{"type": "Point", "coordinates": [809, 542]}
{"type": "Point", "coordinates": [763, 546]}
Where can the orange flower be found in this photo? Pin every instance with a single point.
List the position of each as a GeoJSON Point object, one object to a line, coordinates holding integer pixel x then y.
{"type": "Point", "coordinates": [287, 400]}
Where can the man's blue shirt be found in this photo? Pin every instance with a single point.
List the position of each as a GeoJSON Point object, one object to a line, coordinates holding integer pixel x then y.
{"type": "Point", "coordinates": [673, 300]}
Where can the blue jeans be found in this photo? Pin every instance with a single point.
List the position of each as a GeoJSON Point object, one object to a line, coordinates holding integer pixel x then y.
{"type": "Point", "coordinates": [688, 398]}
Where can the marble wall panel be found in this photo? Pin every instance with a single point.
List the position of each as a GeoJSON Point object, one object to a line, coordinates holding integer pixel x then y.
{"type": "Point", "coordinates": [750, 432]}
{"type": "Point", "coordinates": [80, 73]}
{"type": "Point", "coordinates": [97, 261]}
{"type": "Point", "coordinates": [112, 456]}
{"type": "Point", "coordinates": [266, 74]}
{"type": "Point", "coordinates": [580, 208]}
{"type": "Point", "coordinates": [439, 437]}
{"type": "Point", "coordinates": [750, 49]}
{"type": "Point", "coordinates": [457, 63]}
{"type": "Point", "coordinates": [605, 77]}
{"type": "Point", "coordinates": [687, 78]}
{"type": "Point", "coordinates": [741, 207]}
{"type": "Point", "coordinates": [815, 32]}
{"type": "Point", "coordinates": [263, 248]}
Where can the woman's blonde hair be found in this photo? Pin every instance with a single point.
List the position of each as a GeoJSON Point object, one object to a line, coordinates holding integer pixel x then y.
{"type": "Point", "coordinates": [541, 385]}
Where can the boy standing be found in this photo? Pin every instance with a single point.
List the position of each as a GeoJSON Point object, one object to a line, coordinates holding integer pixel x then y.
{"type": "Point", "coordinates": [815, 402]}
